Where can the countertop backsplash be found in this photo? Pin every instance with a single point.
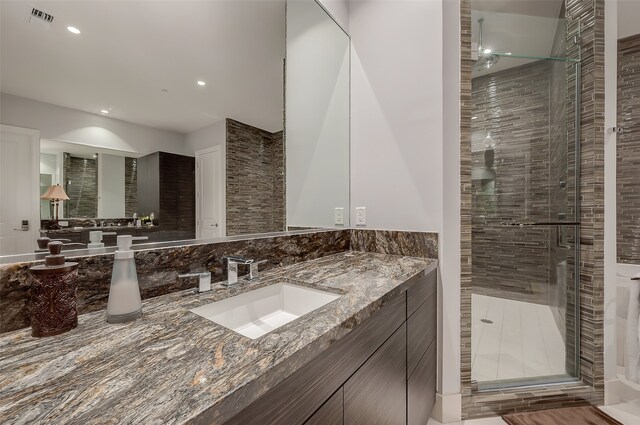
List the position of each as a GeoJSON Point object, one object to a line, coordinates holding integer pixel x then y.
{"type": "Point", "coordinates": [158, 268]}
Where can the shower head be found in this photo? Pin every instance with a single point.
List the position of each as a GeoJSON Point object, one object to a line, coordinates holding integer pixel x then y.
{"type": "Point", "coordinates": [486, 61]}
{"type": "Point", "coordinates": [485, 58]}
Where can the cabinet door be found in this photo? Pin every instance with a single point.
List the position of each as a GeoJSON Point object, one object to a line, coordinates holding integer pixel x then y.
{"type": "Point", "coordinates": [331, 413]}
{"type": "Point", "coordinates": [421, 388]}
{"type": "Point", "coordinates": [376, 394]}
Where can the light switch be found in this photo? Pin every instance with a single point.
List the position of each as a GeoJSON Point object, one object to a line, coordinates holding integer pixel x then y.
{"type": "Point", "coordinates": [361, 216]}
{"type": "Point", "coordinates": [338, 216]}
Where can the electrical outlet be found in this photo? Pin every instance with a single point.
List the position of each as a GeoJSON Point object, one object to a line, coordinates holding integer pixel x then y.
{"type": "Point", "coordinates": [338, 216]}
{"type": "Point", "coordinates": [361, 216]}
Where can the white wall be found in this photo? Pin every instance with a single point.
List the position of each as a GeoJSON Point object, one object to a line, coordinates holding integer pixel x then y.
{"type": "Point", "coordinates": [448, 407]}
{"type": "Point", "coordinates": [111, 190]}
{"type": "Point", "coordinates": [628, 17]}
{"type": "Point", "coordinates": [64, 124]}
{"type": "Point", "coordinates": [207, 137]}
{"type": "Point", "coordinates": [396, 113]}
{"type": "Point", "coordinates": [405, 144]}
{"type": "Point", "coordinates": [317, 129]}
{"type": "Point", "coordinates": [49, 165]}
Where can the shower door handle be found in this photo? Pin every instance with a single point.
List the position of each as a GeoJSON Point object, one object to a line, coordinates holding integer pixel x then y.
{"type": "Point", "coordinates": [561, 238]}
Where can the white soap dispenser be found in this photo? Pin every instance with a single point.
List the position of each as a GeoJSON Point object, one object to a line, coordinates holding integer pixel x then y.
{"type": "Point", "coordinates": [124, 303]}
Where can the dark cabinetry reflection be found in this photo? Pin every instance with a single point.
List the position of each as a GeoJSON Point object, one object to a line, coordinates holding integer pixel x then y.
{"type": "Point", "coordinates": [166, 188]}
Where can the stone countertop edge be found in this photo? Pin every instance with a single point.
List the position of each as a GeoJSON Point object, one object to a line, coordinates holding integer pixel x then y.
{"type": "Point", "coordinates": [174, 367]}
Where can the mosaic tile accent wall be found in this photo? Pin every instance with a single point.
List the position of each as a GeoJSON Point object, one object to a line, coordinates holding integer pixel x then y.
{"type": "Point", "coordinates": [628, 161]}
{"type": "Point", "coordinates": [130, 186]}
{"type": "Point", "coordinates": [255, 180]}
{"type": "Point", "coordinates": [81, 185]}
{"type": "Point", "coordinates": [466, 65]}
{"type": "Point", "coordinates": [590, 14]}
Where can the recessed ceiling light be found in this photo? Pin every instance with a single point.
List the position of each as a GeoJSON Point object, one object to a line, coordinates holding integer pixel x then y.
{"type": "Point", "coordinates": [474, 118]}
{"type": "Point", "coordinates": [73, 30]}
{"type": "Point", "coordinates": [104, 111]}
{"type": "Point", "coordinates": [201, 83]}
{"type": "Point", "coordinates": [487, 51]}
{"type": "Point", "coordinates": [508, 53]}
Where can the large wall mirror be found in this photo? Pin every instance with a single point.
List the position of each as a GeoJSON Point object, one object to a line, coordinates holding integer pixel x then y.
{"type": "Point", "coordinates": [174, 120]}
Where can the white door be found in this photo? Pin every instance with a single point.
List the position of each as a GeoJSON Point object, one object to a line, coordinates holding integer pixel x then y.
{"type": "Point", "coordinates": [210, 193]}
{"type": "Point", "coordinates": [19, 189]}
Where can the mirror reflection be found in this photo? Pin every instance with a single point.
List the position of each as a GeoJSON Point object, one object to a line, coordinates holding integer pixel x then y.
{"type": "Point", "coordinates": [172, 134]}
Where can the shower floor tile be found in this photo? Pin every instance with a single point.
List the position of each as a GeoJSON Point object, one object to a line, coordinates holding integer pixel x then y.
{"type": "Point", "coordinates": [513, 340]}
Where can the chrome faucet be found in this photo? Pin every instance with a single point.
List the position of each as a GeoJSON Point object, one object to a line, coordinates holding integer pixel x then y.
{"type": "Point", "coordinates": [253, 269]}
{"type": "Point", "coordinates": [204, 282]}
{"type": "Point", "coordinates": [232, 267]}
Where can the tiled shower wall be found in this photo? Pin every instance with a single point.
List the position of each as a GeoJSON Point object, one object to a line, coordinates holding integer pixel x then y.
{"type": "Point", "coordinates": [130, 186]}
{"type": "Point", "coordinates": [512, 108]}
{"type": "Point", "coordinates": [628, 161]}
{"type": "Point", "coordinates": [81, 185]}
{"type": "Point", "coordinates": [562, 186]}
{"type": "Point", "coordinates": [255, 180]}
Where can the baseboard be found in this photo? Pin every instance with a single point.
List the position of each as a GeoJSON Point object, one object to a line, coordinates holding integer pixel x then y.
{"type": "Point", "coordinates": [448, 408]}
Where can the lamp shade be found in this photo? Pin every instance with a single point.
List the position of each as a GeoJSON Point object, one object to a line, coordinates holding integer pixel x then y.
{"type": "Point", "coordinates": [55, 193]}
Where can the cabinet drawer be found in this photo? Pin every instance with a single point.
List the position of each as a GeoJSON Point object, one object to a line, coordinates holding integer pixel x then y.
{"type": "Point", "coordinates": [376, 393]}
{"type": "Point", "coordinates": [420, 291]}
{"type": "Point", "coordinates": [421, 389]}
{"type": "Point", "coordinates": [421, 332]}
{"type": "Point", "coordinates": [331, 413]}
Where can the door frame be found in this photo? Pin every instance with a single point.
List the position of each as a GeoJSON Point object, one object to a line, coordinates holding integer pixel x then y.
{"type": "Point", "coordinates": [222, 173]}
{"type": "Point", "coordinates": [34, 139]}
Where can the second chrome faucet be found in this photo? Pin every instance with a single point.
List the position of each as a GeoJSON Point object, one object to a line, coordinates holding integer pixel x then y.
{"type": "Point", "coordinates": [232, 267]}
{"type": "Point", "coordinates": [204, 278]}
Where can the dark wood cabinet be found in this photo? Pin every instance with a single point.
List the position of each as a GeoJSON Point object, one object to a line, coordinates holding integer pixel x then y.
{"type": "Point", "coordinates": [383, 372]}
{"type": "Point", "coordinates": [421, 389]}
{"type": "Point", "coordinates": [376, 393]}
{"type": "Point", "coordinates": [331, 413]}
{"type": "Point", "coordinates": [422, 329]}
{"type": "Point", "coordinates": [167, 188]}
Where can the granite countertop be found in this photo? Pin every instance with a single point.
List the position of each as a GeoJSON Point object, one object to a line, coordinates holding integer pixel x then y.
{"type": "Point", "coordinates": [171, 365]}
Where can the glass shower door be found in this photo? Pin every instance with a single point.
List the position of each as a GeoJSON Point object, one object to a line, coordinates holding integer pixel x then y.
{"type": "Point", "coordinates": [525, 214]}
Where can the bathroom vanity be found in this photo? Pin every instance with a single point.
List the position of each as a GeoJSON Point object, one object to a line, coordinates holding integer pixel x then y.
{"type": "Point", "coordinates": [369, 353]}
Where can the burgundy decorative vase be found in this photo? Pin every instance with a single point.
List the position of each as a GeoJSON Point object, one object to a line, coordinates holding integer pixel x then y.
{"type": "Point", "coordinates": [53, 295]}
{"type": "Point", "coordinates": [53, 299]}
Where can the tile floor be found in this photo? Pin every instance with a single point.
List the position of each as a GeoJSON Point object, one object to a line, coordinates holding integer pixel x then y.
{"type": "Point", "coordinates": [626, 413]}
{"type": "Point", "coordinates": [523, 340]}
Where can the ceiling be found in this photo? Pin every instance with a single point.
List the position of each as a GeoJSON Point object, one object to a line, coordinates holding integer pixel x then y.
{"type": "Point", "coordinates": [520, 27]}
{"type": "Point", "coordinates": [55, 147]}
{"type": "Point", "coordinates": [129, 51]}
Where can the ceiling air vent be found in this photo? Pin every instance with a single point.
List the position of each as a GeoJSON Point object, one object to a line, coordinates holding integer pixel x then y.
{"type": "Point", "coordinates": [36, 13]}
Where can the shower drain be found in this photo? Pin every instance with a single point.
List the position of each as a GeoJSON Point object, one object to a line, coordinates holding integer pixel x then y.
{"type": "Point", "coordinates": [486, 321]}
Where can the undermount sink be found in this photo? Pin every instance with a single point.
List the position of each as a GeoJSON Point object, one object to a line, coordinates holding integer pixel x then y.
{"type": "Point", "coordinates": [258, 312]}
